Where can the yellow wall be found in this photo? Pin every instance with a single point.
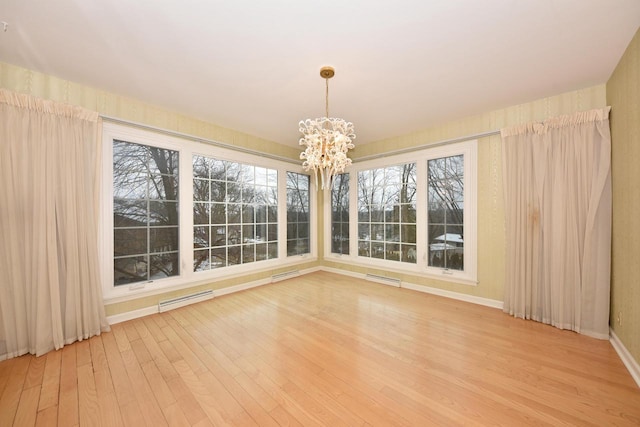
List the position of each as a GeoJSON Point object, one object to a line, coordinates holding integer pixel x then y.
{"type": "Point", "coordinates": [623, 94]}
{"type": "Point", "coordinates": [112, 105]}
{"type": "Point", "coordinates": [491, 237]}
{"type": "Point", "coordinates": [48, 87]}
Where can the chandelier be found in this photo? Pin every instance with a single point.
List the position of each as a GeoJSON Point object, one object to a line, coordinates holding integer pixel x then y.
{"type": "Point", "coordinates": [327, 141]}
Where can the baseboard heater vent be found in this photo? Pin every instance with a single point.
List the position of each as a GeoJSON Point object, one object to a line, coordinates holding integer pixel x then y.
{"type": "Point", "coordinates": [170, 304]}
{"type": "Point", "coordinates": [384, 280]}
{"type": "Point", "coordinates": [286, 275]}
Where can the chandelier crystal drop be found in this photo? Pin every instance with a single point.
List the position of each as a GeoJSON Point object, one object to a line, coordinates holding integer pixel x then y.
{"type": "Point", "coordinates": [327, 142]}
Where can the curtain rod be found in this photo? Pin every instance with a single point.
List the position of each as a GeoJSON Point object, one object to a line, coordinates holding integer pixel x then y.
{"type": "Point", "coordinates": [428, 145]}
{"type": "Point", "coordinates": [296, 161]}
{"type": "Point", "coordinates": [199, 139]}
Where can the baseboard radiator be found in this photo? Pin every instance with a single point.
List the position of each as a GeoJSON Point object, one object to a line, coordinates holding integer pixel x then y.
{"type": "Point", "coordinates": [170, 304]}
{"type": "Point", "coordinates": [384, 280]}
{"type": "Point", "coordinates": [286, 275]}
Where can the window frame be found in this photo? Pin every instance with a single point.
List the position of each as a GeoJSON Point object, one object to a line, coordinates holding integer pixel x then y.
{"type": "Point", "coordinates": [187, 147]}
{"type": "Point", "coordinates": [468, 276]}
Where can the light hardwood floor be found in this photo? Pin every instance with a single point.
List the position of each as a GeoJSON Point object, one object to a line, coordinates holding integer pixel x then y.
{"type": "Point", "coordinates": [324, 349]}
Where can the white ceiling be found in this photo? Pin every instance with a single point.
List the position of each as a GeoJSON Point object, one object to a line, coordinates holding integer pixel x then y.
{"type": "Point", "coordinates": [253, 66]}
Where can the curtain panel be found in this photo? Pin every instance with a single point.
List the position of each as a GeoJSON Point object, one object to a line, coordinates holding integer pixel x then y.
{"type": "Point", "coordinates": [557, 187]}
{"type": "Point", "coordinates": [50, 290]}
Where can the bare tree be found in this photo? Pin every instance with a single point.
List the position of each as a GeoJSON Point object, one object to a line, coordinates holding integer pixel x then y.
{"type": "Point", "coordinates": [145, 182]}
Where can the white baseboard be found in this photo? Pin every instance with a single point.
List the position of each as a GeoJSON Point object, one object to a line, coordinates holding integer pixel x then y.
{"type": "Point", "coordinates": [130, 315]}
{"type": "Point", "coordinates": [342, 272]}
{"type": "Point", "coordinates": [455, 295]}
{"type": "Point", "coordinates": [427, 289]}
{"type": "Point", "coordinates": [241, 287]}
{"type": "Point", "coordinates": [626, 357]}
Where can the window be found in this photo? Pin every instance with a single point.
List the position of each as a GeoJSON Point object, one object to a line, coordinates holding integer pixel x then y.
{"type": "Point", "coordinates": [178, 211]}
{"type": "Point", "coordinates": [145, 213]}
{"type": "Point", "coordinates": [340, 214]}
{"type": "Point", "coordinates": [387, 213]}
{"type": "Point", "coordinates": [297, 214]}
{"type": "Point", "coordinates": [445, 178]}
{"type": "Point", "coordinates": [412, 213]}
{"type": "Point", "coordinates": [235, 208]}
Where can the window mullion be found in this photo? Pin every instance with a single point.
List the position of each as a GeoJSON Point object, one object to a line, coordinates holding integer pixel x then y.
{"type": "Point", "coordinates": [421, 214]}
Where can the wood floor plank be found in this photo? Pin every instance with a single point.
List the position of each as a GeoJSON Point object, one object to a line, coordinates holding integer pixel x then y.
{"type": "Point", "coordinates": [121, 337]}
{"type": "Point", "coordinates": [132, 414]}
{"type": "Point", "coordinates": [157, 355]}
{"type": "Point", "coordinates": [141, 352]}
{"type": "Point", "coordinates": [83, 353]}
{"type": "Point", "coordinates": [158, 384]}
{"type": "Point", "coordinates": [153, 328]}
{"type": "Point", "coordinates": [68, 403]}
{"type": "Point", "coordinates": [89, 408]}
{"type": "Point", "coordinates": [323, 349]}
{"type": "Point", "coordinates": [49, 392]}
{"type": "Point", "coordinates": [186, 400]}
{"type": "Point", "coordinates": [98, 357]}
{"type": "Point", "coordinates": [140, 387]}
{"type": "Point", "coordinates": [35, 373]}
{"type": "Point", "coordinates": [27, 407]}
{"type": "Point", "coordinates": [174, 415]}
{"type": "Point", "coordinates": [49, 417]}
{"type": "Point", "coordinates": [119, 377]}
{"type": "Point", "coordinates": [110, 415]}
{"type": "Point", "coordinates": [201, 393]}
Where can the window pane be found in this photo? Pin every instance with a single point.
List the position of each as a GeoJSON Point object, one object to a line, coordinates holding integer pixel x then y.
{"type": "Point", "coordinates": [130, 270]}
{"type": "Point", "coordinates": [131, 241]}
{"type": "Point", "coordinates": [218, 213]}
{"type": "Point", "coordinates": [163, 239]}
{"type": "Point", "coordinates": [218, 191]}
{"type": "Point", "coordinates": [446, 212]}
{"type": "Point", "coordinates": [218, 257]}
{"type": "Point", "coordinates": [272, 250]}
{"type": "Point", "coordinates": [234, 255]}
{"type": "Point", "coordinates": [201, 237]}
{"type": "Point", "coordinates": [248, 253]}
{"type": "Point", "coordinates": [218, 235]}
{"type": "Point", "coordinates": [261, 251]}
{"type": "Point", "coordinates": [146, 212]}
{"type": "Point", "coordinates": [201, 260]}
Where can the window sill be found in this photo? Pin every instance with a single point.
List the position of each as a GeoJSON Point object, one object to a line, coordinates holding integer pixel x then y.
{"type": "Point", "coordinates": [145, 289]}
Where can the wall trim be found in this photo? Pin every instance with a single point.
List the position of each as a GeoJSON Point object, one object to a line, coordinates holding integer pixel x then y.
{"type": "Point", "coordinates": [627, 359]}
{"type": "Point", "coordinates": [146, 311]}
{"type": "Point", "coordinates": [130, 315]}
{"type": "Point", "coordinates": [427, 289]}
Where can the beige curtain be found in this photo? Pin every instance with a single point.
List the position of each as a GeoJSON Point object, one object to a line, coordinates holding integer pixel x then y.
{"type": "Point", "coordinates": [50, 291]}
{"type": "Point", "coordinates": [557, 182]}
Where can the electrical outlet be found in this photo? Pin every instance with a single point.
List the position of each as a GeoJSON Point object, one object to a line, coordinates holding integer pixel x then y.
{"type": "Point", "coordinates": [619, 318]}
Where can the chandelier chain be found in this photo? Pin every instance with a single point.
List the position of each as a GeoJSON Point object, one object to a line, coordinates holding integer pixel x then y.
{"type": "Point", "coordinates": [326, 97]}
